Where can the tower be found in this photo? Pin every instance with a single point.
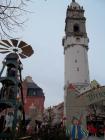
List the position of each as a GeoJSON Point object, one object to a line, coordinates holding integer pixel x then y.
{"type": "Point", "coordinates": [75, 45]}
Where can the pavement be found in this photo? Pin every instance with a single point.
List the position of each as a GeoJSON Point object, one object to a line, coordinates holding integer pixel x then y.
{"type": "Point", "coordinates": [95, 138]}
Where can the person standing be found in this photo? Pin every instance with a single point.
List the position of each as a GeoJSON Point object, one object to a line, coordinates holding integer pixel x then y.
{"type": "Point", "coordinates": [9, 122]}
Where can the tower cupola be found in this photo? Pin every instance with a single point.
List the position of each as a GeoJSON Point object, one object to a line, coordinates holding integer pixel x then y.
{"type": "Point", "coordinates": [74, 4]}
{"type": "Point", "coordinates": [75, 20]}
{"type": "Point", "coordinates": [75, 45]}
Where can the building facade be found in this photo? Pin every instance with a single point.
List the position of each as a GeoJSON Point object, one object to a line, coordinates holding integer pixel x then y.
{"type": "Point", "coordinates": [54, 114]}
{"type": "Point", "coordinates": [33, 96]}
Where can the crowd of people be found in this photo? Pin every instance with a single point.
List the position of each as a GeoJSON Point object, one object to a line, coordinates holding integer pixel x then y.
{"type": "Point", "coordinates": [47, 131]}
{"type": "Point", "coordinates": [7, 120]}
{"type": "Point", "coordinates": [44, 131]}
{"type": "Point", "coordinates": [41, 131]}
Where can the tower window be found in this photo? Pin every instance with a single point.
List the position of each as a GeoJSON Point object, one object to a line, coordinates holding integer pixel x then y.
{"type": "Point", "coordinates": [77, 68]}
{"type": "Point", "coordinates": [76, 28]}
{"type": "Point", "coordinates": [75, 60]}
{"type": "Point", "coordinates": [86, 81]}
{"type": "Point", "coordinates": [68, 46]}
{"type": "Point", "coordinates": [78, 39]}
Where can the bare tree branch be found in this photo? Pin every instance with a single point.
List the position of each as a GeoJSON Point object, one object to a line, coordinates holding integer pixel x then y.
{"type": "Point", "coordinates": [11, 12]}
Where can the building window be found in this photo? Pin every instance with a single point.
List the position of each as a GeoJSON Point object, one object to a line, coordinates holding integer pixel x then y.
{"type": "Point", "coordinates": [68, 46]}
{"type": "Point", "coordinates": [75, 60]}
{"type": "Point", "coordinates": [77, 68]}
{"type": "Point", "coordinates": [76, 28]}
{"type": "Point", "coordinates": [78, 39]}
{"type": "Point", "coordinates": [31, 92]}
{"type": "Point", "coordinates": [85, 81]}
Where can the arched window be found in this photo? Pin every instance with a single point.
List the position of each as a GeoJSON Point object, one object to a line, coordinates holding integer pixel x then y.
{"type": "Point", "coordinates": [76, 28]}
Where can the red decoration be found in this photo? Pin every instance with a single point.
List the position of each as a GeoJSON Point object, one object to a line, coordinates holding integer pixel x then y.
{"type": "Point", "coordinates": [103, 130]}
{"type": "Point", "coordinates": [92, 129]}
{"type": "Point", "coordinates": [71, 87]}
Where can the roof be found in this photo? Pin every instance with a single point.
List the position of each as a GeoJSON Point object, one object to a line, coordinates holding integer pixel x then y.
{"type": "Point", "coordinates": [30, 84]}
{"type": "Point", "coordinates": [38, 90]}
{"type": "Point", "coordinates": [33, 85]}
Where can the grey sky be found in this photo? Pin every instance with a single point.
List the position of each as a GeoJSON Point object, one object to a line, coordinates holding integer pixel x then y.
{"type": "Point", "coordinates": [44, 31]}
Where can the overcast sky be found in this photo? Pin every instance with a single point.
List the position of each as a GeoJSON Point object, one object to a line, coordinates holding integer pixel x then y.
{"type": "Point", "coordinates": [44, 31]}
